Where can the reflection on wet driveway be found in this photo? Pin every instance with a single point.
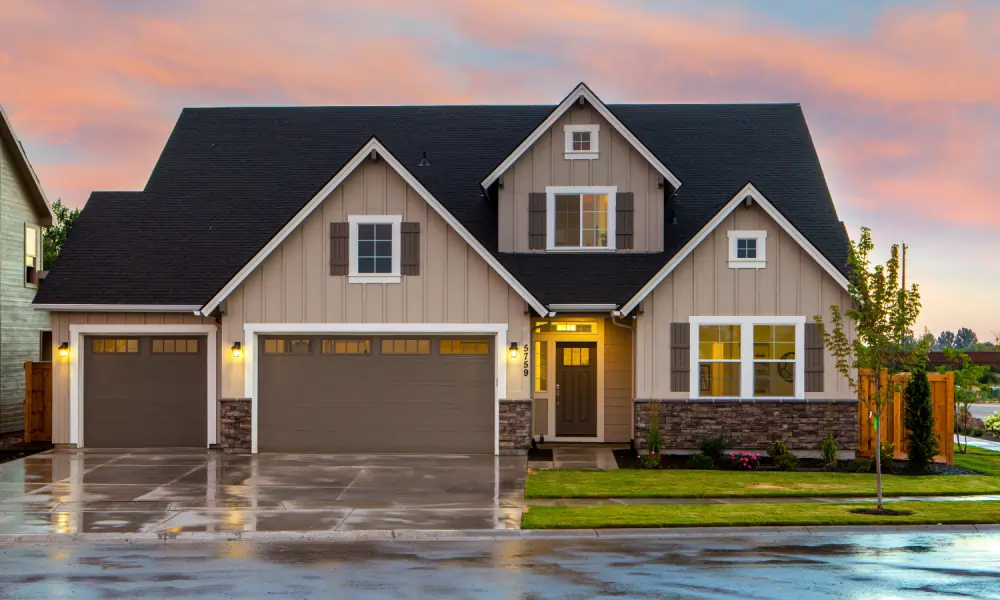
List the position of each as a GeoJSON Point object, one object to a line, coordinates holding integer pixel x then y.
{"type": "Point", "coordinates": [795, 567]}
{"type": "Point", "coordinates": [173, 491]}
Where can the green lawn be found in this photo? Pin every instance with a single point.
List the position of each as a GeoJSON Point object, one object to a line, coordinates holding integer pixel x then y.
{"type": "Point", "coordinates": [634, 483]}
{"type": "Point", "coordinates": [720, 515]}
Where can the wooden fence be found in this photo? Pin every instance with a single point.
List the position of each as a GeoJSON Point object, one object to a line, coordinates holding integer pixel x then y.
{"type": "Point", "coordinates": [893, 420]}
{"type": "Point", "coordinates": [37, 401]}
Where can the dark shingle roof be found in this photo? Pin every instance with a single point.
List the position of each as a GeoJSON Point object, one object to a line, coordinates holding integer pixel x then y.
{"type": "Point", "coordinates": [230, 178]}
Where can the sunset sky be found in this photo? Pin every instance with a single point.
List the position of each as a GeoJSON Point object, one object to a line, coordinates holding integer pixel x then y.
{"type": "Point", "coordinates": [903, 97]}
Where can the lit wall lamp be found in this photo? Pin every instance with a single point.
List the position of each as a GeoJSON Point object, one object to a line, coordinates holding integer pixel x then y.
{"type": "Point", "coordinates": [64, 350]}
{"type": "Point", "coordinates": [513, 350]}
{"type": "Point", "coordinates": [237, 349]}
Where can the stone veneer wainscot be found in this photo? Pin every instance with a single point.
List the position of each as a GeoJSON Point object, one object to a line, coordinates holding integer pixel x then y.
{"type": "Point", "coordinates": [515, 426]}
{"type": "Point", "coordinates": [235, 420]}
{"type": "Point", "coordinates": [750, 424]}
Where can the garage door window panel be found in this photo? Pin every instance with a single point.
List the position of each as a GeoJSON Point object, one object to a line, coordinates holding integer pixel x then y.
{"type": "Point", "coordinates": [289, 346]}
{"type": "Point", "coordinates": [405, 346]}
{"type": "Point", "coordinates": [116, 346]}
{"type": "Point", "coordinates": [348, 347]}
{"type": "Point", "coordinates": [174, 346]}
{"type": "Point", "coordinates": [460, 347]}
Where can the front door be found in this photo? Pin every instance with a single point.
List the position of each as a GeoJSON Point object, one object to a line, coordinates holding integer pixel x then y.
{"type": "Point", "coordinates": [576, 389]}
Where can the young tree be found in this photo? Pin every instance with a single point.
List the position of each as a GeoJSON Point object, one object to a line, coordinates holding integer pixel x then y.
{"type": "Point", "coordinates": [971, 384]}
{"type": "Point", "coordinates": [965, 339]}
{"type": "Point", "coordinates": [55, 236]}
{"type": "Point", "coordinates": [881, 316]}
{"type": "Point", "coordinates": [919, 419]}
{"type": "Point", "coordinates": [946, 340]}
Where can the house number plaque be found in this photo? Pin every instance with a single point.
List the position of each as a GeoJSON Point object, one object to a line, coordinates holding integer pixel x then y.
{"type": "Point", "coordinates": [526, 348]}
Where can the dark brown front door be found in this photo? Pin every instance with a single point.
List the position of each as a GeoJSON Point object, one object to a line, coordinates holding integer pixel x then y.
{"type": "Point", "coordinates": [145, 391]}
{"type": "Point", "coordinates": [576, 389]}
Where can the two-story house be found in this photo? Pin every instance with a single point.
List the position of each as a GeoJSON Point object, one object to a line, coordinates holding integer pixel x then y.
{"type": "Point", "coordinates": [457, 279]}
{"type": "Point", "coordinates": [24, 331]}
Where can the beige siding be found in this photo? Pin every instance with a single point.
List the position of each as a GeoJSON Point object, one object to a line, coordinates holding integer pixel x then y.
{"type": "Point", "coordinates": [20, 324]}
{"type": "Point", "coordinates": [293, 285]}
{"type": "Point", "coordinates": [540, 416]}
{"type": "Point", "coordinates": [60, 366]}
{"type": "Point", "coordinates": [544, 164]}
{"type": "Point", "coordinates": [792, 284]}
{"type": "Point", "coordinates": [617, 383]}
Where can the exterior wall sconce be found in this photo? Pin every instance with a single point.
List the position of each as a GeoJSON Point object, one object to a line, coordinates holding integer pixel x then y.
{"type": "Point", "coordinates": [513, 350]}
{"type": "Point", "coordinates": [64, 350]}
{"type": "Point", "coordinates": [237, 349]}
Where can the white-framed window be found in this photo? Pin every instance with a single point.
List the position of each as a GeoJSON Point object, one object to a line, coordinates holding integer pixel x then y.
{"type": "Point", "coordinates": [747, 249]}
{"type": "Point", "coordinates": [581, 218]}
{"type": "Point", "coordinates": [748, 357]}
{"type": "Point", "coordinates": [582, 141]}
{"type": "Point", "coordinates": [374, 248]}
{"type": "Point", "coordinates": [32, 254]}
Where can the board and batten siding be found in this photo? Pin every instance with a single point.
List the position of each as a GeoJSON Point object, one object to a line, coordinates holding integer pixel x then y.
{"type": "Point", "coordinates": [618, 164]}
{"type": "Point", "coordinates": [20, 325]}
{"type": "Point", "coordinates": [294, 285]}
{"type": "Point", "coordinates": [60, 366]}
{"type": "Point", "coordinates": [792, 284]}
{"type": "Point", "coordinates": [617, 382]}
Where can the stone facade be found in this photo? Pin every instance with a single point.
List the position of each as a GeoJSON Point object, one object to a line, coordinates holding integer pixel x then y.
{"type": "Point", "coordinates": [515, 426]}
{"type": "Point", "coordinates": [749, 424]}
{"type": "Point", "coordinates": [235, 420]}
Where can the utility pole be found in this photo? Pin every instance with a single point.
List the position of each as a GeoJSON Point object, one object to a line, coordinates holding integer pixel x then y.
{"type": "Point", "coordinates": [904, 265]}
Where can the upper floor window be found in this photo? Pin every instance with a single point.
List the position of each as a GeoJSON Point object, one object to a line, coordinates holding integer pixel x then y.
{"type": "Point", "coordinates": [32, 254]}
{"type": "Point", "coordinates": [581, 218]}
{"type": "Point", "coordinates": [582, 141]}
{"type": "Point", "coordinates": [747, 249]}
{"type": "Point", "coordinates": [374, 248]}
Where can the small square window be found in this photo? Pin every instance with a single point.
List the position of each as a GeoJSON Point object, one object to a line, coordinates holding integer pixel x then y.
{"type": "Point", "coordinates": [581, 141]}
{"type": "Point", "coordinates": [747, 249]}
{"type": "Point", "coordinates": [375, 248]}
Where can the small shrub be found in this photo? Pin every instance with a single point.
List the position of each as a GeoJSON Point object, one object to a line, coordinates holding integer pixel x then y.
{"type": "Point", "coordinates": [786, 462]}
{"type": "Point", "coordinates": [777, 448]}
{"type": "Point", "coordinates": [828, 450]}
{"type": "Point", "coordinates": [649, 460]}
{"type": "Point", "coordinates": [992, 423]}
{"type": "Point", "coordinates": [713, 447]}
{"type": "Point", "coordinates": [744, 461]}
{"type": "Point", "coordinates": [888, 454]}
{"type": "Point", "coordinates": [860, 465]}
{"type": "Point", "coordinates": [977, 433]}
{"type": "Point", "coordinates": [653, 439]}
{"type": "Point", "coordinates": [699, 461]}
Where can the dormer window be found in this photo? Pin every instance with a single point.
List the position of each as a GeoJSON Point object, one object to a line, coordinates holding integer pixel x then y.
{"type": "Point", "coordinates": [581, 141]}
{"type": "Point", "coordinates": [747, 249]}
{"type": "Point", "coordinates": [581, 218]}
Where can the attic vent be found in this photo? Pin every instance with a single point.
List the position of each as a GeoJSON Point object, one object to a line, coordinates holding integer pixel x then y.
{"type": "Point", "coordinates": [424, 162]}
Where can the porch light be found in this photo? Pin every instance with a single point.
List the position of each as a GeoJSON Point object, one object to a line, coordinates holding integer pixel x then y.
{"type": "Point", "coordinates": [64, 350]}
{"type": "Point", "coordinates": [513, 350]}
{"type": "Point", "coordinates": [237, 349]}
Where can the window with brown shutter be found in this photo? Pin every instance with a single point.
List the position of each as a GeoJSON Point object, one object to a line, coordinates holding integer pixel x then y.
{"type": "Point", "coordinates": [624, 220]}
{"type": "Point", "coordinates": [814, 357]}
{"type": "Point", "coordinates": [340, 234]}
{"type": "Point", "coordinates": [536, 220]}
{"type": "Point", "coordinates": [680, 357]}
{"type": "Point", "coordinates": [410, 261]}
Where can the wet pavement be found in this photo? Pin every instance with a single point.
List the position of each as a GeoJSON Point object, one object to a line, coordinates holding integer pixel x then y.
{"type": "Point", "coordinates": [770, 566]}
{"type": "Point", "coordinates": [175, 491]}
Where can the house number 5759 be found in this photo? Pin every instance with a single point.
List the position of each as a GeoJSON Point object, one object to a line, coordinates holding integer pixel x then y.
{"type": "Point", "coordinates": [526, 348]}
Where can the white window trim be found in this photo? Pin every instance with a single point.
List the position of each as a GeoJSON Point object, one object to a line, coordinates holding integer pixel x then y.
{"type": "Point", "coordinates": [550, 216]}
{"type": "Point", "coordinates": [595, 135]}
{"type": "Point", "coordinates": [38, 254]}
{"type": "Point", "coordinates": [748, 263]}
{"type": "Point", "coordinates": [353, 275]}
{"type": "Point", "coordinates": [746, 354]}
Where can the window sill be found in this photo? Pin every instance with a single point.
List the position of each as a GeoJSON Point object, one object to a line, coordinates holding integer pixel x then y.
{"type": "Point", "coordinates": [581, 155]}
{"type": "Point", "coordinates": [595, 250]}
{"type": "Point", "coordinates": [747, 264]}
{"type": "Point", "coordinates": [374, 279]}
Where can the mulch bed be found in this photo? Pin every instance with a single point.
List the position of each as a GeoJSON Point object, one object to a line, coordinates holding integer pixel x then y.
{"type": "Point", "coordinates": [12, 447]}
{"type": "Point", "coordinates": [627, 459]}
{"type": "Point", "coordinates": [885, 512]}
{"type": "Point", "coordinates": [543, 454]}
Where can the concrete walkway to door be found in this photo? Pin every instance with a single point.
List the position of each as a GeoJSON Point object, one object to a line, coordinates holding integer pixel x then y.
{"type": "Point", "coordinates": [175, 491]}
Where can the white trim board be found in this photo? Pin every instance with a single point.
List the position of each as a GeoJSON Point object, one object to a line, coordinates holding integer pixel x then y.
{"type": "Point", "coordinates": [748, 190]}
{"type": "Point", "coordinates": [372, 148]}
{"type": "Point", "coordinates": [581, 91]}
{"type": "Point", "coordinates": [118, 307]}
{"type": "Point", "coordinates": [250, 354]}
{"type": "Point", "coordinates": [76, 399]}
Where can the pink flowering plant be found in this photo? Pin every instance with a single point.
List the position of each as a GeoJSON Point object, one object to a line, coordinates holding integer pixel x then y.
{"type": "Point", "coordinates": [745, 461]}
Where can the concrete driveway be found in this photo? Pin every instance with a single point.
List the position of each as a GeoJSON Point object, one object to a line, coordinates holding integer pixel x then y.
{"type": "Point", "coordinates": [174, 491]}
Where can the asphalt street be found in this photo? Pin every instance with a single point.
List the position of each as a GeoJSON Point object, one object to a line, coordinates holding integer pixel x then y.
{"type": "Point", "coordinates": [912, 565]}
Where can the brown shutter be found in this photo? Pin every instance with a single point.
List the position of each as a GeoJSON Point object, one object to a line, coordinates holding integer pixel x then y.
{"type": "Point", "coordinates": [814, 357]}
{"type": "Point", "coordinates": [624, 220]}
{"type": "Point", "coordinates": [340, 234]}
{"type": "Point", "coordinates": [680, 357]}
{"type": "Point", "coordinates": [536, 220]}
{"type": "Point", "coordinates": [410, 260]}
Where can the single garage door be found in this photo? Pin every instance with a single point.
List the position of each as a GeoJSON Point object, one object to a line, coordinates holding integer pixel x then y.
{"type": "Point", "coordinates": [372, 394]}
{"type": "Point", "coordinates": [145, 392]}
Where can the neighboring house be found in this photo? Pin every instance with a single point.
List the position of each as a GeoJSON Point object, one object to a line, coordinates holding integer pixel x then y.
{"type": "Point", "coordinates": [24, 332]}
{"type": "Point", "coordinates": [458, 279]}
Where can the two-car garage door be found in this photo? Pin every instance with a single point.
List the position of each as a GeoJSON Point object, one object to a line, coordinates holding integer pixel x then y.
{"type": "Point", "coordinates": [358, 393]}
